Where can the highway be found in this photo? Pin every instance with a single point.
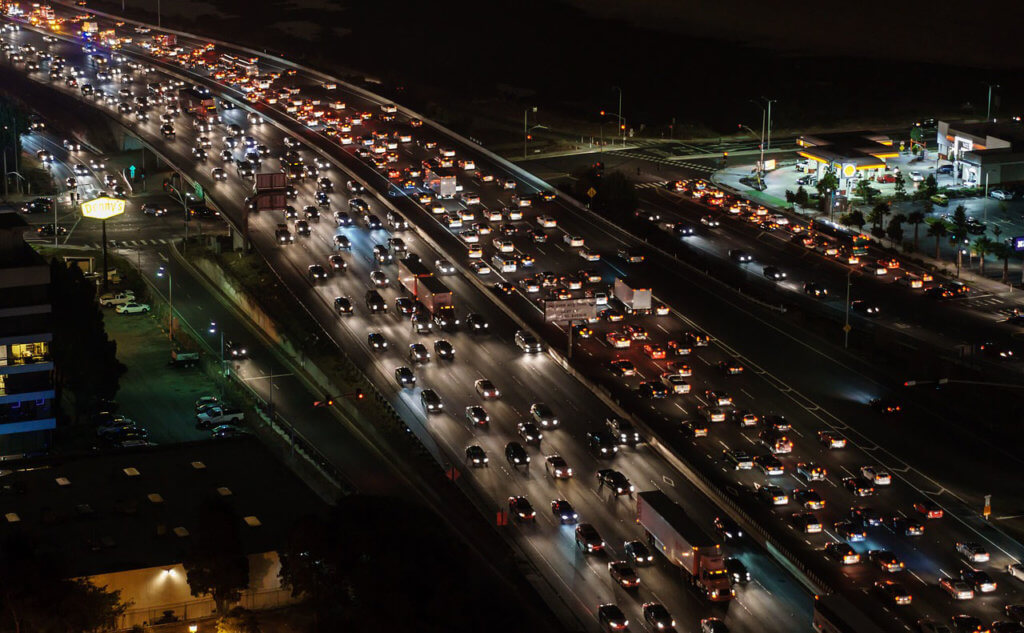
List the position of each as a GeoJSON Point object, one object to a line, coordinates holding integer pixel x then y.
{"type": "Point", "coordinates": [534, 379]}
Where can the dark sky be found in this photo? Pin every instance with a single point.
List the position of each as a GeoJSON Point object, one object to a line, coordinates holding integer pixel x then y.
{"type": "Point", "coordinates": [985, 33]}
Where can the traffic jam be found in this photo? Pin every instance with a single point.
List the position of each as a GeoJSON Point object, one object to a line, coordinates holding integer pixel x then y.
{"type": "Point", "coordinates": [789, 466]}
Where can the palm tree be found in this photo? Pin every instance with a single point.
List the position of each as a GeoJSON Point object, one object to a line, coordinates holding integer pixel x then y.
{"type": "Point", "coordinates": [917, 219]}
{"type": "Point", "coordinates": [938, 231]}
{"type": "Point", "coordinates": [981, 247]}
{"type": "Point", "coordinates": [1003, 251]}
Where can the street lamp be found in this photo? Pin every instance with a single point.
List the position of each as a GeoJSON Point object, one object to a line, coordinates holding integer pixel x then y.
{"type": "Point", "coordinates": [622, 125]}
{"type": "Point", "coordinates": [760, 163]}
{"type": "Point", "coordinates": [988, 110]}
{"type": "Point", "coordinates": [526, 132]}
{"type": "Point", "coordinates": [213, 330]}
{"type": "Point", "coordinates": [768, 139]}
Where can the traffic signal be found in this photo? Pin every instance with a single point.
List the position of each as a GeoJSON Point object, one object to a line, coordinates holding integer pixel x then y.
{"type": "Point", "coordinates": [328, 401]}
{"type": "Point", "coordinates": [622, 127]}
{"type": "Point", "coordinates": [602, 112]}
{"type": "Point", "coordinates": [359, 394]}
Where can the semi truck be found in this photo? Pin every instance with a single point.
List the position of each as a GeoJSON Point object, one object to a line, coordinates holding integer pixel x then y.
{"type": "Point", "coordinates": [673, 533]}
{"type": "Point", "coordinates": [635, 298]}
{"type": "Point", "coordinates": [200, 104]}
{"type": "Point", "coordinates": [442, 181]}
{"type": "Point", "coordinates": [425, 287]}
{"type": "Point", "coordinates": [180, 358]}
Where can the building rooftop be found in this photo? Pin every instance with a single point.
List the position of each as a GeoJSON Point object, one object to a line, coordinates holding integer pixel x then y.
{"type": "Point", "coordinates": [137, 508]}
{"type": "Point", "coordinates": [1009, 131]}
{"type": "Point", "coordinates": [864, 149]}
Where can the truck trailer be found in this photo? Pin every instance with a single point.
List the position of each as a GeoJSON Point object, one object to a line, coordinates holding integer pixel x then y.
{"type": "Point", "coordinates": [673, 533]}
{"type": "Point", "coordinates": [442, 181]}
{"type": "Point", "coordinates": [636, 299]}
{"type": "Point", "coordinates": [422, 285]}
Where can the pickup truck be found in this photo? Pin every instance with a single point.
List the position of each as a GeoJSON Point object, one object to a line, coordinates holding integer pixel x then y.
{"type": "Point", "coordinates": [217, 415]}
{"type": "Point", "coordinates": [111, 299]}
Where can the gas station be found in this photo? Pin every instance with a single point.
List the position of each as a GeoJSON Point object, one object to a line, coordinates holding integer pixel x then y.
{"type": "Point", "coordinates": [852, 155]}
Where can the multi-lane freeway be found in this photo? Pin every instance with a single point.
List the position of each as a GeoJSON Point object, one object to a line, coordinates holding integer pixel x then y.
{"type": "Point", "coordinates": [781, 375]}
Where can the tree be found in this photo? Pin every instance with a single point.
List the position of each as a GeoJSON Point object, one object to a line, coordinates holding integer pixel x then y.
{"type": "Point", "coordinates": [937, 230]}
{"type": "Point", "coordinates": [901, 187]}
{"type": "Point", "coordinates": [878, 215]}
{"type": "Point", "coordinates": [854, 218]}
{"type": "Point", "coordinates": [895, 228]}
{"type": "Point", "coordinates": [930, 186]}
{"type": "Point", "coordinates": [997, 231]}
{"type": "Point", "coordinates": [35, 596]}
{"type": "Point", "coordinates": [864, 190]}
{"type": "Point", "coordinates": [1003, 252]}
{"type": "Point", "coordinates": [828, 182]}
{"type": "Point", "coordinates": [982, 247]}
{"type": "Point", "coordinates": [85, 359]}
{"type": "Point", "coordinates": [959, 222]}
{"type": "Point", "coordinates": [215, 564]}
{"type": "Point", "coordinates": [916, 218]}
{"type": "Point", "coordinates": [801, 197]}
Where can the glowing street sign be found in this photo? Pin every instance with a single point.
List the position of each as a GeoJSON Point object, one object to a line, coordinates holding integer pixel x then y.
{"type": "Point", "coordinates": [102, 208]}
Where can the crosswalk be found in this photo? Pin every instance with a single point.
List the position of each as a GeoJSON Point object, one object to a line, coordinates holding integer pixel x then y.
{"type": "Point", "coordinates": [651, 185]}
{"type": "Point", "coordinates": [130, 243]}
{"type": "Point", "coordinates": [697, 167]}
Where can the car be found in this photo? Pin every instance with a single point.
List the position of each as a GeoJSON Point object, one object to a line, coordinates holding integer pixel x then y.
{"type": "Point", "coordinates": [530, 433]}
{"type": "Point", "coordinates": [527, 342]}
{"type": "Point", "coordinates": [894, 592]}
{"type": "Point", "coordinates": [675, 382]}
{"type": "Point", "coordinates": [769, 465]}
{"type": "Point", "coordinates": [738, 572]}
{"type": "Point", "coordinates": [418, 353]}
{"type": "Point", "coordinates": [226, 431]}
{"type": "Point", "coordinates": [216, 414]}
{"type": "Point", "coordinates": [1007, 627]}
{"type": "Point", "coordinates": [806, 522]}
{"type": "Point", "coordinates": [956, 588]}
{"type": "Point", "coordinates": [476, 456]}
{"type": "Point", "coordinates": [405, 378]}
{"type": "Point", "coordinates": [133, 308]}
{"type": "Point", "coordinates": [658, 616]}
{"type": "Point", "coordinates": [431, 401]}
{"type": "Point", "coordinates": [623, 430]}
{"type": "Point", "coordinates": [39, 205]}
{"type": "Point", "coordinates": [614, 480]}
{"type": "Point", "coordinates": [885, 405]}
{"type": "Point", "coordinates": [521, 509]}
{"type": "Point", "coordinates": [876, 475]}
{"type": "Point", "coordinates": [588, 539]}
{"type": "Point", "coordinates": [1000, 194]}
{"type": "Point", "coordinates": [773, 273]}
{"type": "Point", "coordinates": [556, 466]}
{"type": "Point", "coordinates": [859, 486]}
{"type": "Point", "coordinates": [477, 323]}
{"type": "Point", "coordinates": [564, 512]}
{"type": "Point", "coordinates": [623, 574]}
{"type": "Point", "coordinates": [713, 625]}
{"type": "Point", "coordinates": [903, 525]}
{"type": "Point", "coordinates": [740, 256]}
{"type": "Point", "coordinates": [377, 341]}
{"type": "Point", "coordinates": [516, 455]}
{"type": "Point", "coordinates": [996, 351]}
{"type": "Point", "coordinates": [317, 272]}
{"type": "Point", "coordinates": [979, 579]}
{"type": "Point", "coordinates": [851, 531]}
{"type": "Point", "coordinates": [717, 398]}
{"type": "Point", "coordinates": [865, 516]}
{"type": "Point", "coordinates": [638, 553]}
{"type": "Point", "coordinates": [929, 509]}
{"type": "Point", "coordinates": [444, 350]}
{"type": "Point", "coordinates": [864, 308]}
{"type": "Point", "coordinates": [602, 443]}
{"type": "Point", "coordinates": [885, 560]}
{"type": "Point", "coordinates": [740, 460]}
{"type": "Point", "coordinates": [235, 350]}
{"type": "Point", "coordinates": [809, 499]}
{"type": "Point", "coordinates": [772, 495]}
{"type": "Point", "coordinates": [343, 305]}
{"type": "Point", "coordinates": [843, 553]}
{"type": "Point", "coordinates": [610, 617]}
{"type": "Point", "coordinates": [155, 210]}
{"type": "Point", "coordinates": [727, 528]}
{"type": "Point", "coordinates": [815, 289]}
{"type": "Point", "coordinates": [486, 389]}
{"type": "Point", "coordinates": [967, 624]}
{"type": "Point", "coordinates": [543, 415]}
{"type": "Point", "coordinates": [831, 439]}
{"type": "Point", "coordinates": [916, 176]}
{"type": "Point", "coordinates": [972, 552]}
{"type": "Point", "coordinates": [477, 416]}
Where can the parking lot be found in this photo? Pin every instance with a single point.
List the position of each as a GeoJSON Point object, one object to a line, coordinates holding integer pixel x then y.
{"type": "Point", "coordinates": [159, 397]}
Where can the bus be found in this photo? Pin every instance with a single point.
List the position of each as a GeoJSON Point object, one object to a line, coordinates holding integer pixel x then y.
{"type": "Point", "coordinates": [835, 614]}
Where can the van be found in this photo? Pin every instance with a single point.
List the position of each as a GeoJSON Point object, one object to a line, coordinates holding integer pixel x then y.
{"type": "Point", "coordinates": [527, 342]}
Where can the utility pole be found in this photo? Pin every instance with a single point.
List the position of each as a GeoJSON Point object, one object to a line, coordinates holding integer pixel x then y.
{"type": "Point", "coordinates": [988, 110]}
{"type": "Point", "coordinates": [526, 130]}
{"type": "Point", "coordinates": [768, 140]}
{"type": "Point", "coordinates": [846, 324]}
{"type": "Point", "coordinates": [622, 126]}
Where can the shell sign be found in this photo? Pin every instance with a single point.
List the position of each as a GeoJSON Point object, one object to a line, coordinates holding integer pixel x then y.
{"type": "Point", "coordinates": [102, 208]}
{"type": "Point", "coordinates": [849, 171]}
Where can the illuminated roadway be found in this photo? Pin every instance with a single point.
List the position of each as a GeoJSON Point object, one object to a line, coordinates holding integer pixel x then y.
{"type": "Point", "coordinates": [539, 378]}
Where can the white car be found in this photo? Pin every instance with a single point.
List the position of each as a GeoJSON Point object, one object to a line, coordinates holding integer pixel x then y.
{"type": "Point", "coordinates": [972, 552]}
{"type": "Point", "coordinates": [547, 222]}
{"type": "Point", "coordinates": [480, 268]}
{"type": "Point", "coordinates": [132, 308]}
{"type": "Point", "coordinates": [916, 176]}
{"type": "Point", "coordinates": [504, 246]}
{"type": "Point", "coordinates": [675, 382]}
{"type": "Point", "coordinates": [1016, 570]}
{"type": "Point", "coordinates": [876, 476]}
{"type": "Point", "coordinates": [444, 267]}
{"type": "Point", "coordinates": [1000, 194]}
{"type": "Point", "coordinates": [590, 255]}
{"type": "Point", "coordinates": [470, 236]}
{"type": "Point", "coordinates": [573, 240]}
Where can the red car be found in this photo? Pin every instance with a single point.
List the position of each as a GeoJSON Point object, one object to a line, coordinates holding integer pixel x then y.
{"type": "Point", "coordinates": [890, 178]}
{"type": "Point", "coordinates": [929, 509]}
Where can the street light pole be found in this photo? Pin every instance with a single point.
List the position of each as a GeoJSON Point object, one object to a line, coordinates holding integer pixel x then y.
{"type": "Point", "coordinates": [846, 324]}
{"type": "Point", "coordinates": [622, 127]}
{"type": "Point", "coordinates": [988, 110]}
{"type": "Point", "coordinates": [768, 140]}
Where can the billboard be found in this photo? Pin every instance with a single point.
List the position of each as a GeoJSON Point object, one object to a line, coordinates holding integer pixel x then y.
{"type": "Point", "coordinates": [570, 309]}
{"type": "Point", "coordinates": [1018, 244]}
{"type": "Point", "coordinates": [102, 208]}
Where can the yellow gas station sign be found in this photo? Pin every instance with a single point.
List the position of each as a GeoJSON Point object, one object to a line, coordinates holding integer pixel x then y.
{"type": "Point", "coordinates": [102, 208]}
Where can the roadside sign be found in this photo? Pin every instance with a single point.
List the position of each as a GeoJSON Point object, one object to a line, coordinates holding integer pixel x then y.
{"type": "Point", "coordinates": [570, 309]}
{"type": "Point", "coordinates": [198, 189]}
{"type": "Point", "coordinates": [131, 172]}
{"type": "Point", "coordinates": [987, 512]}
{"type": "Point", "coordinates": [1018, 243]}
{"type": "Point", "coordinates": [591, 192]}
{"type": "Point", "coordinates": [847, 328]}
